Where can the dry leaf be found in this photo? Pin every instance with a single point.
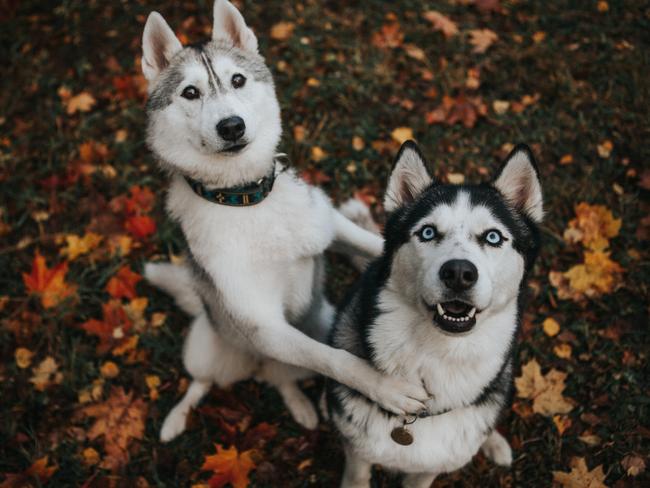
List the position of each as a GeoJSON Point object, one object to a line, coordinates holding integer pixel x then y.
{"type": "Point", "coordinates": [415, 52]}
{"type": "Point", "coordinates": [82, 102]}
{"type": "Point", "coordinates": [282, 31]}
{"type": "Point", "coordinates": [140, 226]}
{"type": "Point", "coordinates": [112, 329]}
{"type": "Point", "coordinates": [593, 226]}
{"type": "Point", "coordinates": [442, 23]}
{"type": "Point", "coordinates": [402, 134]}
{"type": "Point", "coordinates": [38, 474]}
{"type": "Point", "coordinates": [23, 357]}
{"type": "Point", "coordinates": [46, 374]}
{"type": "Point", "coordinates": [605, 149]}
{"type": "Point", "coordinates": [119, 420]}
{"type": "Point", "coordinates": [562, 423]}
{"type": "Point", "coordinates": [633, 465]}
{"type": "Point", "coordinates": [563, 350]}
{"type": "Point", "coordinates": [580, 476]}
{"type": "Point", "coordinates": [78, 246]}
{"type": "Point", "coordinates": [229, 466]}
{"type": "Point", "coordinates": [315, 176]}
{"type": "Point", "coordinates": [389, 36]}
{"type": "Point", "coordinates": [500, 106]}
{"type": "Point", "coordinates": [544, 390]}
{"type": "Point", "coordinates": [597, 276]}
{"type": "Point", "coordinates": [551, 327]}
{"type": "Point", "coordinates": [482, 39]}
{"type": "Point", "coordinates": [49, 283]}
{"type": "Point", "coordinates": [91, 456]}
{"type": "Point", "coordinates": [462, 109]}
{"type": "Point", "coordinates": [122, 285]}
{"type": "Point", "coordinates": [109, 369]}
{"type": "Point", "coordinates": [357, 143]}
{"type": "Point", "coordinates": [317, 153]}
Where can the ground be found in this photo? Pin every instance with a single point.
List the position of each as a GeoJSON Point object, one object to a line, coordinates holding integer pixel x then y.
{"type": "Point", "coordinates": [90, 356]}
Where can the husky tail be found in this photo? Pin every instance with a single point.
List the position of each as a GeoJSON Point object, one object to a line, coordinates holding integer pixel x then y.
{"type": "Point", "coordinates": [359, 213]}
{"type": "Point", "coordinates": [175, 280]}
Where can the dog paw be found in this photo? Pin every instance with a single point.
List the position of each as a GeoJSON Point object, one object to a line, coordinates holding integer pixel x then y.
{"type": "Point", "coordinates": [497, 449]}
{"type": "Point", "coordinates": [302, 411]}
{"type": "Point", "coordinates": [397, 395]}
{"type": "Point", "coordinates": [173, 425]}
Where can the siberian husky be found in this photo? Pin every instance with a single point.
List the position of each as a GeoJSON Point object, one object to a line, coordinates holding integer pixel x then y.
{"type": "Point", "coordinates": [255, 232]}
{"type": "Point", "coordinates": [442, 305]}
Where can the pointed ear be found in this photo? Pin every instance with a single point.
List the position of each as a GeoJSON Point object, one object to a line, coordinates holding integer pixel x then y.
{"type": "Point", "coordinates": [408, 179]}
{"type": "Point", "coordinates": [518, 181]}
{"type": "Point", "coordinates": [159, 44]}
{"type": "Point", "coordinates": [229, 26]}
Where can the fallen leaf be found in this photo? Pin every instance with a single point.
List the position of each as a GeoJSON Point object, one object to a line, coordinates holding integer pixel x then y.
{"type": "Point", "coordinates": [605, 149]}
{"type": "Point", "coordinates": [456, 178]}
{"type": "Point", "coordinates": [593, 226]}
{"type": "Point", "coordinates": [38, 472]}
{"type": "Point", "coordinates": [563, 350]}
{"type": "Point", "coordinates": [140, 226]}
{"type": "Point", "coordinates": [282, 31]}
{"type": "Point", "coordinates": [551, 327]}
{"type": "Point", "coordinates": [317, 154]}
{"type": "Point", "coordinates": [358, 143]}
{"type": "Point", "coordinates": [562, 423]}
{"type": "Point", "coordinates": [122, 285]}
{"type": "Point", "coordinates": [46, 374]}
{"type": "Point", "coordinates": [78, 246]}
{"type": "Point", "coordinates": [119, 420]}
{"type": "Point", "coordinates": [402, 134]}
{"type": "Point", "coordinates": [500, 106]}
{"type": "Point", "coordinates": [299, 133]}
{"type": "Point", "coordinates": [82, 102]}
{"type": "Point", "coordinates": [113, 327]}
{"type": "Point", "coordinates": [229, 466]}
{"type": "Point", "coordinates": [580, 476]}
{"type": "Point", "coordinates": [48, 283]}
{"type": "Point", "coordinates": [315, 176]}
{"type": "Point", "coordinates": [539, 36]}
{"type": "Point", "coordinates": [473, 81]}
{"type": "Point", "coordinates": [441, 22]}
{"type": "Point", "coordinates": [633, 465]}
{"type": "Point", "coordinates": [544, 390]}
{"type": "Point", "coordinates": [414, 52]}
{"type": "Point", "coordinates": [141, 200]}
{"type": "Point", "coordinates": [23, 357]}
{"type": "Point", "coordinates": [153, 382]}
{"type": "Point", "coordinates": [91, 456]}
{"type": "Point", "coordinates": [462, 109]}
{"type": "Point", "coordinates": [389, 36]}
{"type": "Point", "coordinates": [566, 159]}
{"type": "Point", "coordinates": [482, 39]}
{"type": "Point", "coordinates": [109, 369]}
{"type": "Point", "coordinates": [598, 275]}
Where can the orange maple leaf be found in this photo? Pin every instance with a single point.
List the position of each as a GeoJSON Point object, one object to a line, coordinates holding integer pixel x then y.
{"type": "Point", "coordinates": [229, 466]}
{"type": "Point", "coordinates": [38, 471]}
{"type": "Point", "coordinates": [112, 329]}
{"type": "Point", "coordinates": [49, 283]}
{"type": "Point", "coordinates": [141, 200]}
{"type": "Point", "coordinates": [122, 285]}
{"type": "Point", "coordinates": [140, 226]}
{"type": "Point", "coordinates": [119, 420]}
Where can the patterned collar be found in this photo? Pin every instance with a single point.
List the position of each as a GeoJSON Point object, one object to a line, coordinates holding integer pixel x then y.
{"type": "Point", "coordinates": [236, 196]}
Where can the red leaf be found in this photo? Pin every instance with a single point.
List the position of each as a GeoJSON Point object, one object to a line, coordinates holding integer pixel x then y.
{"type": "Point", "coordinates": [140, 226]}
{"type": "Point", "coordinates": [122, 285]}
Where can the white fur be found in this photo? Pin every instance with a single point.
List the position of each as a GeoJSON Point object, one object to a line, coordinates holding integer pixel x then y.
{"type": "Point", "coordinates": [271, 318]}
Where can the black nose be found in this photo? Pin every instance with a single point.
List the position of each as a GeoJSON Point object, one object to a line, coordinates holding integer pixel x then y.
{"type": "Point", "coordinates": [231, 128]}
{"type": "Point", "coordinates": [459, 274]}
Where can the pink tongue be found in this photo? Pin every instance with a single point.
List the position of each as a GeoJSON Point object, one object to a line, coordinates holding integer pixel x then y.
{"type": "Point", "coordinates": [455, 307]}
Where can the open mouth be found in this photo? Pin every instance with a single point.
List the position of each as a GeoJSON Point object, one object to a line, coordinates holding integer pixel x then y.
{"type": "Point", "coordinates": [454, 316]}
{"type": "Point", "coordinates": [235, 148]}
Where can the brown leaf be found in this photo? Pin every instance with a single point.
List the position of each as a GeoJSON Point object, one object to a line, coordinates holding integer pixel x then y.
{"type": "Point", "coordinates": [580, 476]}
{"type": "Point", "coordinates": [113, 327]}
{"type": "Point", "coordinates": [462, 109]}
{"type": "Point", "coordinates": [119, 420]}
{"type": "Point", "coordinates": [38, 472]}
{"type": "Point", "coordinates": [442, 23]}
{"type": "Point", "coordinates": [633, 465]}
{"type": "Point", "coordinates": [82, 102]}
{"type": "Point", "coordinates": [122, 285]}
{"type": "Point", "coordinates": [46, 374]}
{"type": "Point", "coordinates": [389, 36]}
{"type": "Point", "coordinates": [544, 390]}
{"type": "Point", "coordinates": [482, 39]}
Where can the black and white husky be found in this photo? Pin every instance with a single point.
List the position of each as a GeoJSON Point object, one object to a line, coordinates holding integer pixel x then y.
{"type": "Point", "coordinates": [255, 233]}
{"type": "Point", "coordinates": [442, 306]}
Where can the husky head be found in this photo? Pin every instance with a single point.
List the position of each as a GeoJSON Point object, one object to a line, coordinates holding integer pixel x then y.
{"type": "Point", "coordinates": [212, 110]}
{"type": "Point", "coordinates": [460, 253]}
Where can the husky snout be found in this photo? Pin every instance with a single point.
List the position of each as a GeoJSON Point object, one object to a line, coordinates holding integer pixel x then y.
{"type": "Point", "coordinates": [458, 274]}
{"type": "Point", "coordinates": [231, 129]}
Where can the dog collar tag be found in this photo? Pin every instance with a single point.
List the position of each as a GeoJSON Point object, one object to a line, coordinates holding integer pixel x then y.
{"type": "Point", "coordinates": [402, 436]}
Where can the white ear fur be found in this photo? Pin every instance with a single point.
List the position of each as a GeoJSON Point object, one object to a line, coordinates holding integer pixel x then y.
{"type": "Point", "coordinates": [519, 183]}
{"type": "Point", "coordinates": [229, 26]}
{"type": "Point", "coordinates": [159, 44]}
{"type": "Point", "coordinates": [408, 179]}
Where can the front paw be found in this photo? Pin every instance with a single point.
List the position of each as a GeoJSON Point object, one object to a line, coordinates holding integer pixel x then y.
{"type": "Point", "coordinates": [399, 396]}
{"type": "Point", "coordinates": [496, 448]}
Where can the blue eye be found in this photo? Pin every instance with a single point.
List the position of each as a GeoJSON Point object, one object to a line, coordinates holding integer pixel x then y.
{"type": "Point", "coordinates": [493, 237]}
{"type": "Point", "coordinates": [427, 232]}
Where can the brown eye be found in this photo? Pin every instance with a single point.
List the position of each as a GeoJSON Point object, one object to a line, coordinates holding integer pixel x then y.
{"type": "Point", "coordinates": [238, 80]}
{"type": "Point", "coordinates": [191, 93]}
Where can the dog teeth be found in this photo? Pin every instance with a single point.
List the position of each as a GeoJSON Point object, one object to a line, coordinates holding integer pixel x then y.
{"type": "Point", "coordinates": [441, 310]}
{"type": "Point", "coordinates": [472, 312]}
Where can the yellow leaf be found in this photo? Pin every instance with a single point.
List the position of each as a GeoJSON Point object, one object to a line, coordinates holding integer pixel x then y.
{"type": "Point", "coordinates": [23, 357]}
{"type": "Point", "coordinates": [317, 153]}
{"type": "Point", "coordinates": [563, 350]}
{"type": "Point", "coordinates": [580, 476]}
{"type": "Point", "coordinates": [82, 102]}
{"type": "Point", "coordinates": [91, 456]}
{"type": "Point", "coordinates": [551, 327]}
{"type": "Point", "coordinates": [402, 134]}
{"type": "Point", "coordinates": [500, 106]}
{"type": "Point", "coordinates": [109, 369]}
{"type": "Point", "coordinates": [603, 6]}
{"type": "Point", "coordinates": [562, 423]}
{"type": "Point", "coordinates": [46, 374]}
{"type": "Point", "coordinates": [544, 390]}
{"type": "Point", "coordinates": [598, 275]}
{"type": "Point", "coordinates": [282, 31]}
{"type": "Point", "coordinates": [539, 36]}
{"type": "Point", "coordinates": [77, 246]}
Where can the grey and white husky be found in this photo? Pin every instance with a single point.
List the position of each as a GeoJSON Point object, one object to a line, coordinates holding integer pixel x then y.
{"type": "Point", "coordinates": [255, 233]}
{"type": "Point", "coordinates": [442, 306]}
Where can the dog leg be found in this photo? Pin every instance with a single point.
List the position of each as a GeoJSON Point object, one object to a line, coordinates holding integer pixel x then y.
{"type": "Point", "coordinates": [175, 280]}
{"type": "Point", "coordinates": [418, 480]}
{"type": "Point", "coordinates": [497, 449]}
{"type": "Point", "coordinates": [174, 423]}
{"type": "Point", "coordinates": [354, 239]}
{"type": "Point", "coordinates": [357, 472]}
{"type": "Point", "coordinates": [284, 377]}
